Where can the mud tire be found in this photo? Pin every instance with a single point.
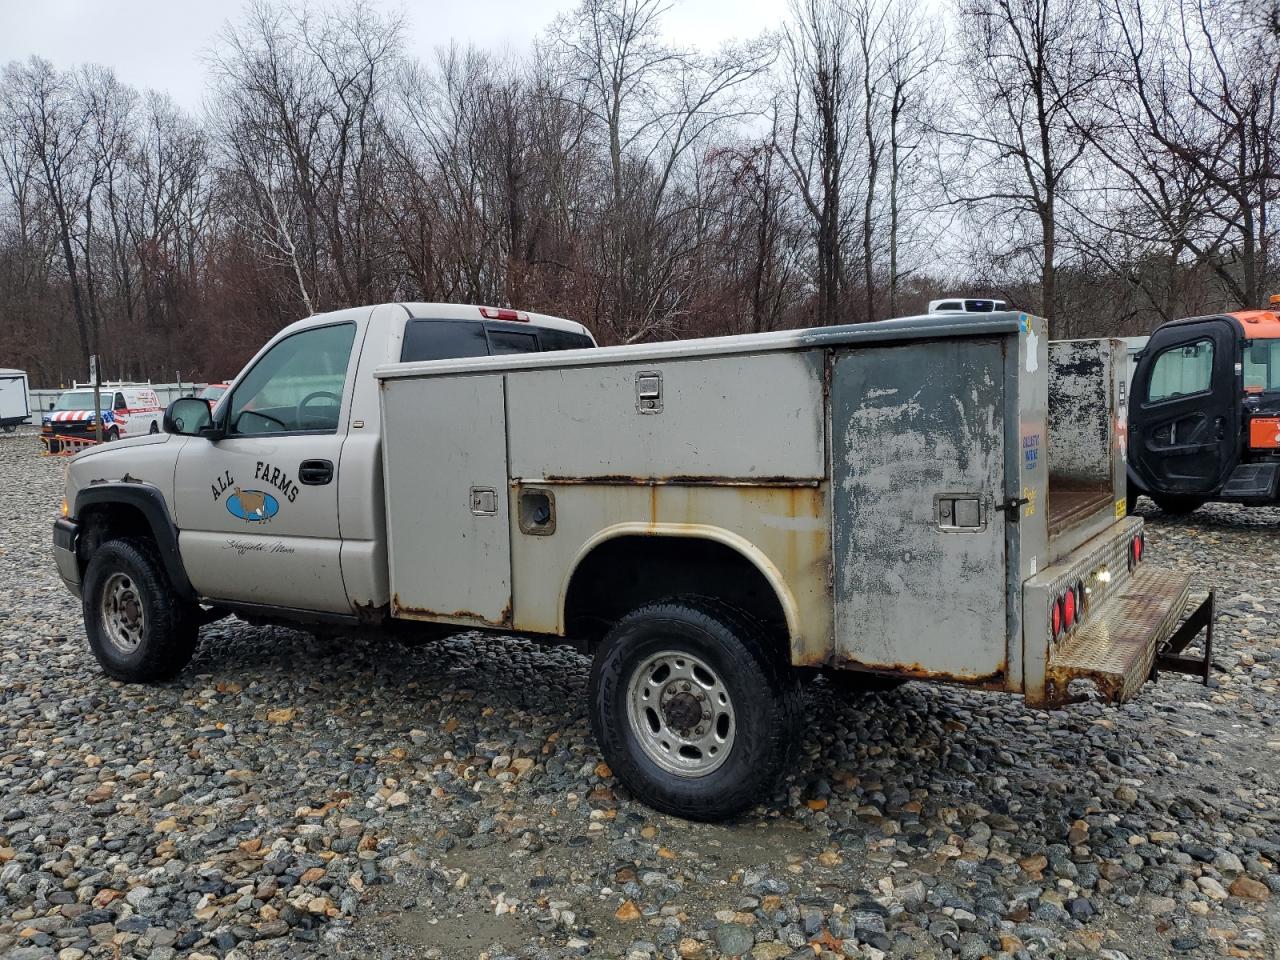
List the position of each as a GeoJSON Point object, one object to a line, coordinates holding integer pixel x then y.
{"type": "Point", "coordinates": [170, 627]}
{"type": "Point", "coordinates": [750, 663]}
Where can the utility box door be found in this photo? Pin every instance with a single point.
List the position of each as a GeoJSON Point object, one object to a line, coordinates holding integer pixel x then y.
{"type": "Point", "coordinates": [918, 467]}
{"type": "Point", "coordinates": [445, 446]}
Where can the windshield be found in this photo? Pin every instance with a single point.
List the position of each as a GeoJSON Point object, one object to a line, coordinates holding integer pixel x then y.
{"type": "Point", "coordinates": [1262, 366]}
{"type": "Point", "coordinates": [79, 400]}
{"type": "Point", "coordinates": [213, 392]}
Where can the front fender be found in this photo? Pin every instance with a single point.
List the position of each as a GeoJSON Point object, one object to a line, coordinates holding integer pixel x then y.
{"type": "Point", "coordinates": [148, 501]}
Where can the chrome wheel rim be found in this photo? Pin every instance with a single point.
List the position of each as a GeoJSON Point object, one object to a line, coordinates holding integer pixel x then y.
{"type": "Point", "coordinates": [124, 620]}
{"type": "Point", "coordinates": [681, 713]}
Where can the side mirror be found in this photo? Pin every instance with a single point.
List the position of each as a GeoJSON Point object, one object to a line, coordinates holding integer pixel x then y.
{"type": "Point", "coordinates": [188, 417]}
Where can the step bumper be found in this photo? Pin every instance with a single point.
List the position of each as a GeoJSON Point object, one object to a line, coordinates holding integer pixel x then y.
{"type": "Point", "coordinates": [1138, 631]}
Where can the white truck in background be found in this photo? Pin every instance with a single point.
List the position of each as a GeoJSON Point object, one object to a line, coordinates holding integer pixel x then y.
{"type": "Point", "coordinates": [14, 405]}
{"type": "Point", "coordinates": [713, 520]}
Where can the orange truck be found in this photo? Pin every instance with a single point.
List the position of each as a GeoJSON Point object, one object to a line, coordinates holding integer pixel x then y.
{"type": "Point", "coordinates": [1204, 412]}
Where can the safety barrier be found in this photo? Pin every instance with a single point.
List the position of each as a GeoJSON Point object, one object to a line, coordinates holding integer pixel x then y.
{"type": "Point", "coordinates": [57, 445]}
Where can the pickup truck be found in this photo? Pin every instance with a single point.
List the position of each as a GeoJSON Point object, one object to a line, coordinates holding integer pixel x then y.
{"type": "Point", "coordinates": [715, 521]}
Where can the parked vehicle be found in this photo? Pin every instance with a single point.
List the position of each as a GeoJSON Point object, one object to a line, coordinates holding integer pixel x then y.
{"type": "Point", "coordinates": [966, 305]}
{"type": "Point", "coordinates": [214, 391]}
{"type": "Point", "coordinates": [1204, 424]}
{"type": "Point", "coordinates": [714, 520]}
{"type": "Point", "coordinates": [128, 410]}
{"type": "Point", "coordinates": [14, 409]}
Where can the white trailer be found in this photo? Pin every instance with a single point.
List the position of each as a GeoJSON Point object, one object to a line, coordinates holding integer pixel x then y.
{"type": "Point", "coordinates": [13, 400]}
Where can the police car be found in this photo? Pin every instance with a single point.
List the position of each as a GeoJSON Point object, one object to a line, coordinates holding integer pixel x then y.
{"type": "Point", "coordinates": [128, 411]}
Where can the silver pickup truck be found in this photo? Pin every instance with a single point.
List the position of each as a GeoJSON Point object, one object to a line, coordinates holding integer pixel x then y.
{"type": "Point", "coordinates": [931, 498]}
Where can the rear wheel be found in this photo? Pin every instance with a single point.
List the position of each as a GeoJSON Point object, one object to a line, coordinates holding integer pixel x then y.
{"type": "Point", "coordinates": [10, 427]}
{"type": "Point", "coordinates": [694, 707]}
{"type": "Point", "coordinates": [138, 630]}
{"type": "Point", "coordinates": [155, 427]}
{"type": "Point", "coordinates": [1177, 505]}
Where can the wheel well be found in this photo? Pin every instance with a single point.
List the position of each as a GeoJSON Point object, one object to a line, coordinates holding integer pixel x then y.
{"type": "Point", "coordinates": [100, 522]}
{"type": "Point", "coordinates": [628, 571]}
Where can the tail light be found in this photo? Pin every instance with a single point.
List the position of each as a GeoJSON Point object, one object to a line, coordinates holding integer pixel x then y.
{"type": "Point", "coordinates": [1055, 618]}
{"type": "Point", "coordinates": [1137, 546]}
{"type": "Point", "coordinates": [1069, 608]}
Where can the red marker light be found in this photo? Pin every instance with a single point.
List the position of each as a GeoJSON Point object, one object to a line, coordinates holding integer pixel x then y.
{"type": "Point", "coordinates": [501, 313]}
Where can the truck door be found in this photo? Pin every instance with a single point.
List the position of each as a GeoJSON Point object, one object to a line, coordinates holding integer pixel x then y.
{"type": "Point", "coordinates": [1184, 415]}
{"type": "Point", "coordinates": [258, 510]}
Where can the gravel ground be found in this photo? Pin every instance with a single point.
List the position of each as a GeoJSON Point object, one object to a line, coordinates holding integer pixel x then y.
{"type": "Point", "coordinates": [295, 796]}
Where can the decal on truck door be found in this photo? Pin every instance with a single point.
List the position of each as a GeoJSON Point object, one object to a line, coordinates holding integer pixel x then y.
{"type": "Point", "coordinates": [252, 506]}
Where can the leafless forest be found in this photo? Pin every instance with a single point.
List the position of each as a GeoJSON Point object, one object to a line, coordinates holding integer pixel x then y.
{"type": "Point", "coordinates": [1106, 163]}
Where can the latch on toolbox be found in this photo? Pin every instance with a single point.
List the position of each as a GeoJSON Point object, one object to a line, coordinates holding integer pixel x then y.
{"type": "Point", "coordinates": [959, 512]}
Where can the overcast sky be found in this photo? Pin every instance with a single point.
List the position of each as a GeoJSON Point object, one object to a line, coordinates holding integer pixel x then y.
{"type": "Point", "coordinates": [159, 44]}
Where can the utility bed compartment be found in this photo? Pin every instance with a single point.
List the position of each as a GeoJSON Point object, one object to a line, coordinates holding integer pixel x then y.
{"type": "Point", "coordinates": [896, 486]}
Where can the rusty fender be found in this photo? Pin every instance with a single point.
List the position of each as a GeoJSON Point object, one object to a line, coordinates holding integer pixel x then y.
{"type": "Point", "coordinates": [780, 528]}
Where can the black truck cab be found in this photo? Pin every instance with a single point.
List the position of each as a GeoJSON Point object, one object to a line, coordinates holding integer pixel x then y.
{"type": "Point", "coordinates": [1204, 412]}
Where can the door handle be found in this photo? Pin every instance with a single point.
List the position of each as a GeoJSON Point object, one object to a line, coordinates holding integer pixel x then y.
{"type": "Point", "coordinates": [315, 473]}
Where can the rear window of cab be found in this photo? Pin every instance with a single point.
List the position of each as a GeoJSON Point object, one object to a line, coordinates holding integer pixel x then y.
{"type": "Point", "coordinates": [454, 339]}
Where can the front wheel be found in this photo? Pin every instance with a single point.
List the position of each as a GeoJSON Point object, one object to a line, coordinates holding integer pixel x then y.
{"type": "Point", "coordinates": [1177, 505]}
{"type": "Point", "coordinates": [138, 630]}
{"type": "Point", "coordinates": [113, 435]}
{"type": "Point", "coordinates": [694, 707]}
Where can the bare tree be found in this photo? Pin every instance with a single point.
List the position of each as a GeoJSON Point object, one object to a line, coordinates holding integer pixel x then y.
{"type": "Point", "coordinates": [1204, 101]}
{"type": "Point", "coordinates": [819, 54]}
{"type": "Point", "coordinates": [1023, 123]}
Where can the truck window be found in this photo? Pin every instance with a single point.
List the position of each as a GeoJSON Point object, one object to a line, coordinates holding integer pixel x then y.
{"type": "Point", "coordinates": [503, 342]}
{"type": "Point", "coordinates": [443, 340]}
{"type": "Point", "coordinates": [563, 340]}
{"type": "Point", "coordinates": [1182, 370]}
{"type": "Point", "coordinates": [296, 386]}
{"type": "Point", "coordinates": [1262, 365]}
{"type": "Point", "coordinates": [120, 404]}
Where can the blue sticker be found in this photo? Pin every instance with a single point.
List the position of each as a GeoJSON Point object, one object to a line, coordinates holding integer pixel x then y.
{"type": "Point", "coordinates": [252, 506]}
{"type": "Point", "coordinates": [1030, 451]}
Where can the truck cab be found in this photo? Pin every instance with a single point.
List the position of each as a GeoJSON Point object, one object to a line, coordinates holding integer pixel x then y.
{"type": "Point", "coordinates": [1204, 421]}
{"type": "Point", "coordinates": [267, 520]}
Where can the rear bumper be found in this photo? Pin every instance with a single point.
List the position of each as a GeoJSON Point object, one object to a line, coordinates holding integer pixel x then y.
{"type": "Point", "coordinates": [65, 534]}
{"type": "Point", "coordinates": [1128, 630]}
{"type": "Point", "coordinates": [1118, 649]}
